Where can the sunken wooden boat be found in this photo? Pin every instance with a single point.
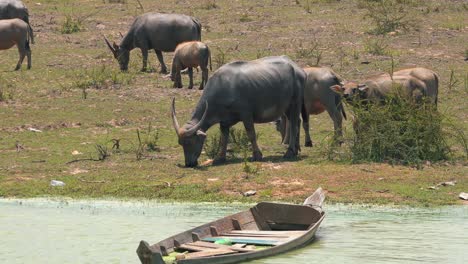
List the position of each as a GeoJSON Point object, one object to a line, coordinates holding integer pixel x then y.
{"type": "Point", "coordinates": [264, 230]}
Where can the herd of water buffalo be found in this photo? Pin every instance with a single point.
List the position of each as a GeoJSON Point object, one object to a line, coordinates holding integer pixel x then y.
{"type": "Point", "coordinates": [259, 91]}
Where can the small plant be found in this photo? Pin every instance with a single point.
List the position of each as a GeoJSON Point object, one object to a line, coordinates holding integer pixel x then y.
{"type": "Point", "coordinates": [212, 146]}
{"type": "Point", "coordinates": [6, 90]}
{"type": "Point", "coordinates": [102, 78]}
{"type": "Point", "coordinates": [152, 138]}
{"type": "Point", "coordinates": [220, 58]}
{"type": "Point", "coordinates": [388, 15]}
{"type": "Point", "coordinates": [209, 4]}
{"type": "Point", "coordinates": [239, 140]}
{"type": "Point", "coordinates": [102, 152]}
{"type": "Point", "coordinates": [312, 52]}
{"type": "Point", "coordinates": [71, 25]}
{"type": "Point", "coordinates": [148, 144]}
{"type": "Point", "coordinates": [376, 47]}
{"type": "Point", "coordinates": [245, 18]}
{"type": "Point", "coordinates": [453, 81]}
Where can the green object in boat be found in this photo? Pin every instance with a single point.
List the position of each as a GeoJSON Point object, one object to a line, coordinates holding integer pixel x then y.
{"type": "Point", "coordinates": [224, 241]}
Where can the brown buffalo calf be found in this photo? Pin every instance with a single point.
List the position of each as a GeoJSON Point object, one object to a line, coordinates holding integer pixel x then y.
{"type": "Point", "coordinates": [189, 55]}
{"type": "Point", "coordinates": [16, 32]}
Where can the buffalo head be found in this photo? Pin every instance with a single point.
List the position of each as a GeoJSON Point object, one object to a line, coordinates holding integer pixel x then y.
{"type": "Point", "coordinates": [121, 54]}
{"type": "Point", "coordinates": [351, 91]}
{"type": "Point", "coordinates": [191, 138]}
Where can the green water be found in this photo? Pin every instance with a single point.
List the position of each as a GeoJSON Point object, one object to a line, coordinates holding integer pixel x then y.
{"type": "Point", "coordinates": [54, 231]}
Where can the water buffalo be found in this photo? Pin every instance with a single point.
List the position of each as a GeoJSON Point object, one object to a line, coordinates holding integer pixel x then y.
{"type": "Point", "coordinates": [16, 32]}
{"type": "Point", "coordinates": [417, 84]}
{"type": "Point", "coordinates": [10, 9]}
{"type": "Point", "coordinates": [318, 97]}
{"type": "Point", "coordinates": [257, 91]}
{"type": "Point", "coordinates": [188, 55]}
{"type": "Point", "coordinates": [161, 32]}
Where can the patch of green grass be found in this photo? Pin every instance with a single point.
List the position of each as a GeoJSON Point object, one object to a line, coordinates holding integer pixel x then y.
{"type": "Point", "coordinates": [389, 15]}
{"type": "Point", "coordinates": [376, 46]}
{"type": "Point", "coordinates": [71, 25]}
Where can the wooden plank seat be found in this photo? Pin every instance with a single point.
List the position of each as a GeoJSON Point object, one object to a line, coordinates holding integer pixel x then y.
{"type": "Point", "coordinates": [203, 246]}
{"type": "Point", "coordinates": [260, 233]}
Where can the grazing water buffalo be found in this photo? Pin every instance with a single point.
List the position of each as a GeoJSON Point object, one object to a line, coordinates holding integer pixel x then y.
{"type": "Point", "coordinates": [257, 91]}
{"type": "Point", "coordinates": [417, 84]}
{"type": "Point", "coordinates": [188, 55]}
{"type": "Point", "coordinates": [16, 32]}
{"type": "Point", "coordinates": [318, 97]}
{"type": "Point", "coordinates": [10, 9]}
{"type": "Point", "coordinates": [160, 32]}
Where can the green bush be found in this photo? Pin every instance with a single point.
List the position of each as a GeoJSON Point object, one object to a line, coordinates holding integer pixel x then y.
{"type": "Point", "coordinates": [6, 90]}
{"type": "Point", "coordinates": [389, 15]}
{"type": "Point", "coordinates": [102, 78]}
{"type": "Point", "coordinates": [71, 25]}
{"type": "Point", "coordinates": [400, 131]}
{"type": "Point", "coordinates": [212, 146]}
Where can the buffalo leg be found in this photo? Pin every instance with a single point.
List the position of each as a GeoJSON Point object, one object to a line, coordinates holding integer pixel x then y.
{"type": "Point", "coordinates": [22, 54]}
{"type": "Point", "coordinates": [305, 125]}
{"type": "Point", "coordinates": [144, 53]}
{"type": "Point", "coordinates": [204, 78]}
{"type": "Point", "coordinates": [249, 127]}
{"type": "Point", "coordinates": [177, 79]}
{"type": "Point", "coordinates": [294, 124]}
{"type": "Point", "coordinates": [161, 61]}
{"type": "Point", "coordinates": [335, 115]}
{"type": "Point", "coordinates": [190, 73]}
{"type": "Point", "coordinates": [286, 130]}
{"type": "Point", "coordinates": [28, 54]}
{"type": "Point", "coordinates": [223, 142]}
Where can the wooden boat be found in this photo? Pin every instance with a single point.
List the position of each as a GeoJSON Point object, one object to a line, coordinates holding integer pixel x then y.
{"type": "Point", "coordinates": [263, 230]}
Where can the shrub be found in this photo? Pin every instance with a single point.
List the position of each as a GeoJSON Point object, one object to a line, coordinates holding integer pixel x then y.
{"type": "Point", "coordinates": [239, 140]}
{"type": "Point", "coordinates": [212, 146]}
{"type": "Point", "coordinates": [400, 131]}
{"type": "Point", "coordinates": [209, 4]}
{"type": "Point", "coordinates": [6, 90]}
{"type": "Point", "coordinates": [388, 15]}
{"type": "Point", "coordinates": [102, 78]}
{"type": "Point", "coordinates": [220, 58]}
{"type": "Point", "coordinates": [71, 25]}
{"type": "Point", "coordinates": [149, 143]}
{"type": "Point", "coordinates": [376, 46]}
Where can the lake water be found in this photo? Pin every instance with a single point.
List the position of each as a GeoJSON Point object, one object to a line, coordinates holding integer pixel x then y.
{"type": "Point", "coordinates": [79, 231]}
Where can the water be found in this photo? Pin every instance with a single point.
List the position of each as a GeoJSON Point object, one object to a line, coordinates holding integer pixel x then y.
{"type": "Point", "coordinates": [57, 231]}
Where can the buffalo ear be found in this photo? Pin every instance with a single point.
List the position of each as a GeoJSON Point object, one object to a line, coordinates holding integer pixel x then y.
{"type": "Point", "coordinates": [116, 47]}
{"type": "Point", "coordinates": [337, 88]}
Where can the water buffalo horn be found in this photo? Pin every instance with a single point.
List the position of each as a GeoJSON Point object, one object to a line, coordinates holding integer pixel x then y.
{"type": "Point", "coordinates": [195, 128]}
{"type": "Point", "coordinates": [174, 118]}
{"type": "Point", "coordinates": [109, 45]}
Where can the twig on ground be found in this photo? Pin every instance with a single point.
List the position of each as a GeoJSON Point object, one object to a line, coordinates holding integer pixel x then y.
{"type": "Point", "coordinates": [82, 180]}
{"type": "Point", "coordinates": [76, 160]}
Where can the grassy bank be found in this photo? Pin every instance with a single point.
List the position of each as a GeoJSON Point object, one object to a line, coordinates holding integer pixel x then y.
{"type": "Point", "coordinates": [79, 100]}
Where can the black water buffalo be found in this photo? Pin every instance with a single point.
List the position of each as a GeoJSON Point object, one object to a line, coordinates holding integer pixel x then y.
{"type": "Point", "coordinates": [160, 32]}
{"type": "Point", "coordinates": [417, 84]}
{"type": "Point", "coordinates": [318, 97]}
{"type": "Point", "coordinates": [257, 91]}
{"type": "Point", "coordinates": [10, 9]}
